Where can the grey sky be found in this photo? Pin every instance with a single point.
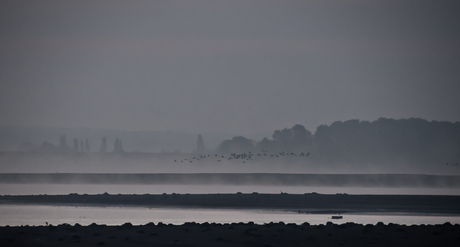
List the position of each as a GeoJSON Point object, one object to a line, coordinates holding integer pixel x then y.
{"type": "Point", "coordinates": [226, 66]}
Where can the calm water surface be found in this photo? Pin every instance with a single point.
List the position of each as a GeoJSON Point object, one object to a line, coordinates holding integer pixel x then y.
{"type": "Point", "coordinates": [16, 215]}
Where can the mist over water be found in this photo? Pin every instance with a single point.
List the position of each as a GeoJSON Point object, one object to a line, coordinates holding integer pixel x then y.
{"type": "Point", "coordinates": [180, 163]}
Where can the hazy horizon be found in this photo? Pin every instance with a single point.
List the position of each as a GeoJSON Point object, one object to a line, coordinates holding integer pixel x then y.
{"type": "Point", "coordinates": [233, 68]}
{"type": "Point", "coordinates": [239, 67]}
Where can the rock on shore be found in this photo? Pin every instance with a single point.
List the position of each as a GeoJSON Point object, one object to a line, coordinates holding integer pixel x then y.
{"type": "Point", "coordinates": [235, 234]}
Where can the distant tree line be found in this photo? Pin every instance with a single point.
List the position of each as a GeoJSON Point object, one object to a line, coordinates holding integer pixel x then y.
{"type": "Point", "coordinates": [78, 146]}
{"type": "Point", "coordinates": [352, 141]}
{"type": "Point", "coordinates": [295, 139]}
{"type": "Point", "coordinates": [362, 141]}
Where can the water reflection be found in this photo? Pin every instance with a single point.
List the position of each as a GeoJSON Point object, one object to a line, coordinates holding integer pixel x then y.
{"type": "Point", "coordinates": [16, 215]}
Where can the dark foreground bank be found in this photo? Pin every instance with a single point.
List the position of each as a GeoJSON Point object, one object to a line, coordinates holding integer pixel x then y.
{"type": "Point", "coordinates": [236, 234]}
{"type": "Point", "coordinates": [303, 203]}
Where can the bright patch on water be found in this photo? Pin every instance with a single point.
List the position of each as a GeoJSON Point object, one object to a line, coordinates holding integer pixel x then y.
{"type": "Point", "coordinates": [16, 215]}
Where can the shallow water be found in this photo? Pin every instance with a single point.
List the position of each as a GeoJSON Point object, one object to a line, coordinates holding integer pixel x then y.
{"type": "Point", "coordinates": [16, 215]}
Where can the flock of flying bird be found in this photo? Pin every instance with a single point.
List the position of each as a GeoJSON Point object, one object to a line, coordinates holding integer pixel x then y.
{"type": "Point", "coordinates": [244, 157]}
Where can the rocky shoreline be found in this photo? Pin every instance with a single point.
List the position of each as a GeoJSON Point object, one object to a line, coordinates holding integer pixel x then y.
{"type": "Point", "coordinates": [235, 234]}
{"type": "Point", "coordinates": [243, 234]}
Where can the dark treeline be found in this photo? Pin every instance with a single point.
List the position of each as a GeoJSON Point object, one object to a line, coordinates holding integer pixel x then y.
{"type": "Point", "coordinates": [408, 141]}
{"type": "Point", "coordinates": [25, 139]}
{"type": "Point", "coordinates": [389, 140]}
{"type": "Point", "coordinates": [78, 146]}
{"type": "Point", "coordinates": [295, 139]}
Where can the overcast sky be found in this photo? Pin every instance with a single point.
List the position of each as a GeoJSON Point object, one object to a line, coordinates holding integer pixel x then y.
{"type": "Point", "coordinates": [226, 66]}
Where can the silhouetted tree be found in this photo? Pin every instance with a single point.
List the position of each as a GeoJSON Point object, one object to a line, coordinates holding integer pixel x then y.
{"type": "Point", "coordinates": [283, 137]}
{"type": "Point", "coordinates": [301, 138]}
{"type": "Point", "coordinates": [237, 144]}
{"type": "Point", "coordinates": [63, 144]}
{"type": "Point", "coordinates": [118, 146]}
{"type": "Point", "coordinates": [414, 141]}
{"type": "Point", "coordinates": [87, 146]}
{"type": "Point", "coordinates": [295, 139]}
{"type": "Point", "coordinates": [103, 148]}
{"type": "Point", "coordinates": [268, 145]}
{"type": "Point", "coordinates": [200, 145]}
{"type": "Point", "coordinates": [75, 144]}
